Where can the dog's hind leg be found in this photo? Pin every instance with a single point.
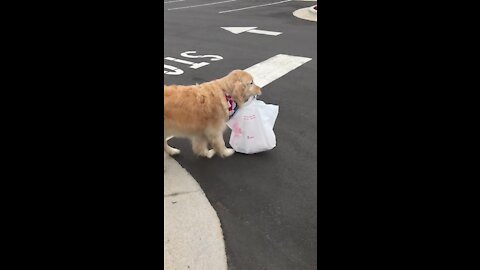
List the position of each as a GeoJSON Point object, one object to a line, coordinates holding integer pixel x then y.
{"type": "Point", "coordinates": [200, 147]}
{"type": "Point", "coordinates": [219, 146]}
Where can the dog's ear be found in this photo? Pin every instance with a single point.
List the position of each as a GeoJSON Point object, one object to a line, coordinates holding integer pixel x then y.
{"type": "Point", "coordinates": [238, 93]}
{"type": "Point", "coordinates": [238, 88]}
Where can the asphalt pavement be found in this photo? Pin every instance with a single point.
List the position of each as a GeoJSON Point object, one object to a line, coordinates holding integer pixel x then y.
{"type": "Point", "coordinates": [266, 203]}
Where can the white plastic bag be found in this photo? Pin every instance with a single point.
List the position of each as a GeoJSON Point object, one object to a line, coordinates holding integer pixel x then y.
{"type": "Point", "coordinates": [252, 127]}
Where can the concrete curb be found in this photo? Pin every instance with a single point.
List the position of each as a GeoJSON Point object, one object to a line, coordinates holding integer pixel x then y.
{"type": "Point", "coordinates": [309, 14]}
{"type": "Point", "coordinates": [192, 236]}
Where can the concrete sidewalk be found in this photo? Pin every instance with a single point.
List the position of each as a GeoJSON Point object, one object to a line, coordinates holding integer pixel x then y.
{"type": "Point", "coordinates": [193, 237]}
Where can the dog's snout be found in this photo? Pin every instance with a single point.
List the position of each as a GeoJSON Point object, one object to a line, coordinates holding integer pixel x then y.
{"type": "Point", "coordinates": [259, 91]}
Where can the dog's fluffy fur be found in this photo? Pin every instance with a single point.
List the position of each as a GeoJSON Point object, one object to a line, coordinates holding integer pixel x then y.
{"type": "Point", "coordinates": [200, 112]}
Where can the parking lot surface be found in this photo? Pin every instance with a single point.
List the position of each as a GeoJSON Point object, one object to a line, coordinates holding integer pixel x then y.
{"type": "Point", "coordinates": [266, 203]}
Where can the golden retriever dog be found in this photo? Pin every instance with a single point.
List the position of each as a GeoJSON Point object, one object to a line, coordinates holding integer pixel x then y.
{"type": "Point", "coordinates": [200, 112]}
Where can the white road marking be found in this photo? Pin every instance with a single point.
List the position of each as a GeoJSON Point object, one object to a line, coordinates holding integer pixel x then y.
{"type": "Point", "coordinates": [171, 70]}
{"type": "Point", "coordinates": [264, 32]}
{"type": "Point", "coordinates": [175, 71]}
{"type": "Point", "coordinates": [274, 68]}
{"type": "Point", "coordinates": [239, 30]}
{"type": "Point", "coordinates": [245, 8]}
{"type": "Point", "coordinates": [176, 1]}
{"type": "Point", "coordinates": [202, 5]}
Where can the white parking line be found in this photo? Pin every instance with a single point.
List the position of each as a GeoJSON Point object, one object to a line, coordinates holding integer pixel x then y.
{"type": "Point", "coordinates": [274, 68]}
{"type": "Point", "coordinates": [175, 1]}
{"type": "Point", "coordinates": [245, 8]}
{"type": "Point", "coordinates": [202, 5]}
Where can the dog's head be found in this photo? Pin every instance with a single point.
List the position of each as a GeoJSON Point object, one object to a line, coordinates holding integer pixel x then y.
{"type": "Point", "coordinates": [241, 86]}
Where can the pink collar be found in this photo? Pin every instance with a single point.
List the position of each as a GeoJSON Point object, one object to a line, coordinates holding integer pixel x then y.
{"type": "Point", "coordinates": [232, 105]}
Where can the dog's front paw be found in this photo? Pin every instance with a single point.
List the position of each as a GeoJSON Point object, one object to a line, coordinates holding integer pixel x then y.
{"type": "Point", "coordinates": [210, 153]}
{"type": "Point", "coordinates": [173, 151]}
{"type": "Point", "coordinates": [228, 152]}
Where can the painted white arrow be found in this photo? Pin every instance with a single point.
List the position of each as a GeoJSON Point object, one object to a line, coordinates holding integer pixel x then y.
{"type": "Point", "coordinates": [254, 30]}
